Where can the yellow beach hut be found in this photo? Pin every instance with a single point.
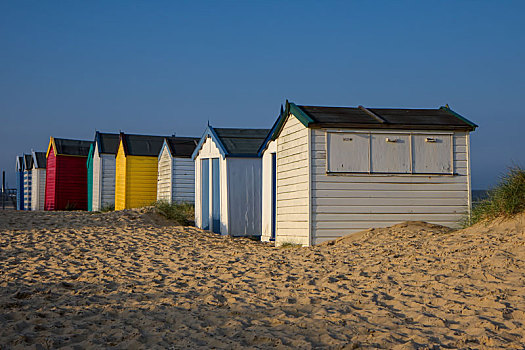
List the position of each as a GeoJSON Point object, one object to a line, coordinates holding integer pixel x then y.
{"type": "Point", "coordinates": [136, 170]}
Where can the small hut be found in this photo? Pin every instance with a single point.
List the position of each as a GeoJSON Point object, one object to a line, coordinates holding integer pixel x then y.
{"type": "Point", "coordinates": [28, 167]}
{"type": "Point", "coordinates": [38, 174]}
{"type": "Point", "coordinates": [136, 170]}
{"type": "Point", "coordinates": [66, 175]}
{"type": "Point", "coordinates": [101, 171]}
{"type": "Point", "coordinates": [176, 170]}
{"type": "Point", "coordinates": [339, 170]}
{"type": "Point", "coordinates": [20, 183]}
{"type": "Point", "coordinates": [228, 181]}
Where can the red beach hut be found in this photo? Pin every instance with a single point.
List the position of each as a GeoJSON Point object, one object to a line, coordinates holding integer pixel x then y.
{"type": "Point", "coordinates": [66, 176]}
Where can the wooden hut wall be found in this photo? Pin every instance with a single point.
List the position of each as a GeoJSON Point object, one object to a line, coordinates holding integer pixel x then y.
{"type": "Point", "coordinates": [120, 179]}
{"type": "Point", "coordinates": [19, 184]}
{"type": "Point", "coordinates": [244, 195]}
{"type": "Point", "coordinates": [136, 180]}
{"type": "Point", "coordinates": [103, 180]}
{"type": "Point", "coordinates": [27, 189]}
{"type": "Point", "coordinates": [210, 151]}
{"type": "Point", "coordinates": [50, 202]}
{"type": "Point", "coordinates": [268, 191]}
{"type": "Point", "coordinates": [38, 188]}
{"type": "Point", "coordinates": [164, 180]}
{"type": "Point", "coordinates": [66, 182]}
{"type": "Point", "coordinates": [89, 166]}
{"type": "Point", "coordinates": [183, 180]}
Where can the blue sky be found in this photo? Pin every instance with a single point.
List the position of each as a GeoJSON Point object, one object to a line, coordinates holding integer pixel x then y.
{"type": "Point", "coordinates": [68, 68]}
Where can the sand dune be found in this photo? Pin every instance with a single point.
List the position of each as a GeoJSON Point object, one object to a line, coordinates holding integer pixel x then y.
{"type": "Point", "coordinates": [130, 280]}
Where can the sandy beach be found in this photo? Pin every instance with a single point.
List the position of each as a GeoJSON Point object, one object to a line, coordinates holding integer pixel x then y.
{"type": "Point", "coordinates": [131, 280]}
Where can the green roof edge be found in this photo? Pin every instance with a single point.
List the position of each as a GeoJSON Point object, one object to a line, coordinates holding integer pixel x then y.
{"type": "Point", "coordinates": [457, 115]}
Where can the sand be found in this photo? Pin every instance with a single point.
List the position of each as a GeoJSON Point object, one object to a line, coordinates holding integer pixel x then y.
{"type": "Point", "coordinates": [130, 280]}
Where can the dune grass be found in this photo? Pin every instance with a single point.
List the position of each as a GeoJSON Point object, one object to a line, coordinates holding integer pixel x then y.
{"type": "Point", "coordinates": [506, 199]}
{"type": "Point", "coordinates": [183, 213]}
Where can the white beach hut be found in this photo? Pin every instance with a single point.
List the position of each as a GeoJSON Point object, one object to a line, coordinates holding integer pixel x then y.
{"type": "Point", "coordinates": [102, 155]}
{"type": "Point", "coordinates": [340, 170]}
{"type": "Point", "coordinates": [228, 181]}
{"type": "Point", "coordinates": [28, 180]}
{"type": "Point", "coordinates": [176, 170]}
{"type": "Point", "coordinates": [38, 174]}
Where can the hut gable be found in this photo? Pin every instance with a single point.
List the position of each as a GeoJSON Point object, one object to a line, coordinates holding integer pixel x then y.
{"type": "Point", "coordinates": [234, 142]}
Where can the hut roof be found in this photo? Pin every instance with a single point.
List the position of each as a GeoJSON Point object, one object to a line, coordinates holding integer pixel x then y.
{"type": "Point", "coordinates": [142, 145]}
{"type": "Point", "coordinates": [107, 143]}
{"type": "Point", "coordinates": [69, 147]}
{"type": "Point", "coordinates": [442, 118]}
{"type": "Point", "coordinates": [234, 142]}
{"type": "Point", "coordinates": [241, 141]}
{"type": "Point", "coordinates": [181, 147]}
{"type": "Point", "coordinates": [39, 160]}
{"type": "Point", "coordinates": [28, 162]}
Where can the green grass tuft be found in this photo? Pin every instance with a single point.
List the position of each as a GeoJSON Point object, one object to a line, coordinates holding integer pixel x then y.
{"type": "Point", "coordinates": [286, 245]}
{"type": "Point", "coordinates": [504, 200]}
{"type": "Point", "coordinates": [183, 213]}
{"type": "Point", "coordinates": [107, 208]}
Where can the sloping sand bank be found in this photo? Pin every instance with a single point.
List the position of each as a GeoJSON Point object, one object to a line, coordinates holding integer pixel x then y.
{"type": "Point", "coordinates": [126, 280]}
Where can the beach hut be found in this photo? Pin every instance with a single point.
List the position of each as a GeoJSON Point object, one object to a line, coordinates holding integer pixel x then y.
{"type": "Point", "coordinates": [136, 170]}
{"type": "Point", "coordinates": [176, 170]}
{"type": "Point", "coordinates": [340, 170]}
{"type": "Point", "coordinates": [101, 171]}
{"type": "Point", "coordinates": [20, 183]}
{"type": "Point", "coordinates": [66, 174]}
{"type": "Point", "coordinates": [28, 167]}
{"type": "Point", "coordinates": [38, 174]}
{"type": "Point", "coordinates": [228, 181]}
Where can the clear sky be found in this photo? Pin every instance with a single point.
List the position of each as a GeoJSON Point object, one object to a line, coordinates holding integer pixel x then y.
{"type": "Point", "coordinates": [68, 68]}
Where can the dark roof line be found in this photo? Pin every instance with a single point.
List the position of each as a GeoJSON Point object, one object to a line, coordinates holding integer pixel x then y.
{"type": "Point", "coordinates": [372, 114]}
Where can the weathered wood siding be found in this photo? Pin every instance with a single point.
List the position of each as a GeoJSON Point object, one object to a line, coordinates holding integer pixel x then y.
{"type": "Point", "coordinates": [244, 196]}
{"type": "Point", "coordinates": [38, 189]}
{"type": "Point", "coordinates": [141, 181]}
{"type": "Point", "coordinates": [28, 181]}
{"type": "Point", "coordinates": [347, 203]}
{"type": "Point", "coordinates": [120, 179]}
{"type": "Point", "coordinates": [95, 180]}
{"type": "Point", "coordinates": [51, 177]}
{"type": "Point", "coordinates": [183, 180]}
{"type": "Point", "coordinates": [293, 178]}
{"type": "Point", "coordinates": [103, 180]}
{"type": "Point", "coordinates": [164, 177]}
{"type": "Point", "coordinates": [209, 150]}
{"type": "Point", "coordinates": [267, 170]}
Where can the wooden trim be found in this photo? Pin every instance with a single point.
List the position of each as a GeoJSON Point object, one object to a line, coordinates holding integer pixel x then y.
{"type": "Point", "coordinates": [469, 181]}
{"type": "Point", "coordinates": [310, 207]}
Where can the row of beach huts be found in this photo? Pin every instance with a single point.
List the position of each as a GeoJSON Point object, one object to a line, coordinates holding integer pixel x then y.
{"type": "Point", "coordinates": [319, 173]}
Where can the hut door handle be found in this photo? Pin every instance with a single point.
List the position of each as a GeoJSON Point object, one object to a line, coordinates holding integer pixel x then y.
{"type": "Point", "coordinates": [388, 139]}
{"type": "Point", "coordinates": [430, 139]}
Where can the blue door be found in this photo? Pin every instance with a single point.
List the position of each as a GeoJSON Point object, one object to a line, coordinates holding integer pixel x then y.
{"type": "Point", "coordinates": [274, 196]}
{"type": "Point", "coordinates": [205, 193]}
{"type": "Point", "coordinates": [216, 195]}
